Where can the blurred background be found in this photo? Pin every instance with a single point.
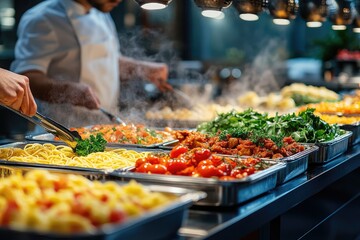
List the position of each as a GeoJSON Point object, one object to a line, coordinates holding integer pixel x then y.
{"type": "Point", "coordinates": [246, 45]}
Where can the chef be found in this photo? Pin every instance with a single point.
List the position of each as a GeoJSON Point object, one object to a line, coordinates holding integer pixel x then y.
{"type": "Point", "coordinates": [70, 52]}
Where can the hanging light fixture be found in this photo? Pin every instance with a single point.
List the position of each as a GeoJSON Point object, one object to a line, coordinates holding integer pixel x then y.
{"type": "Point", "coordinates": [341, 14]}
{"type": "Point", "coordinates": [283, 10]}
{"type": "Point", "coordinates": [356, 24]}
{"type": "Point", "coordinates": [153, 4]}
{"type": "Point", "coordinates": [213, 8]}
{"type": "Point", "coordinates": [249, 9]}
{"type": "Point", "coordinates": [314, 12]}
{"type": "Point", "coordinates": [356, 21]}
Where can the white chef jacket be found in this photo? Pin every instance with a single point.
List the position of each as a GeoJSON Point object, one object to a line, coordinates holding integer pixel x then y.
{"type": "Point", "coordinates": [60, 39]}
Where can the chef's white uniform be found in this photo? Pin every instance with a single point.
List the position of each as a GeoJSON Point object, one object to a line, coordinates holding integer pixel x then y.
{"type": "Point", "coordinates": [60, 39]}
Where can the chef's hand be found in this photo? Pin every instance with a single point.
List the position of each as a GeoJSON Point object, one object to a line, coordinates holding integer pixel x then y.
{"type": "Point", "coordinates": [157, 73]}
{"type": "Point", "coordinates": [15, 92]}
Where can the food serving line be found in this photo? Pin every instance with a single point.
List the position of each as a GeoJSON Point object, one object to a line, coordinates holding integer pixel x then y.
{"type": "Point", "coordinates": [264, 212]}
{"type": "Point", "coordinates": [226, 207]}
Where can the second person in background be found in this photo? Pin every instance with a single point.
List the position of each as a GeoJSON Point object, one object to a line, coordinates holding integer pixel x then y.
{"type": "Point", "coordinates": [70, 51]}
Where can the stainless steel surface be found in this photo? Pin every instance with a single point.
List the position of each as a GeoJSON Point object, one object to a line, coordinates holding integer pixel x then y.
{"type": "Point", "coordinates": [295, 164]}
{"type": "Point", "coordinates": [331, 149]}
{"type": "Point", "coordinates": [112, 117]}
{"type": "Point", "coordinates": [160, 223]}
{"type": "Point", "coordinates": [355, 129]}
{"type": "Point", "coordinates": [69, 137]}
{"type": "Point", "coordinates": [219, 193]}
{"type": "Point", "coordinates": [45, 137]}
{"type": "Point", "coordinates": [45, 166]}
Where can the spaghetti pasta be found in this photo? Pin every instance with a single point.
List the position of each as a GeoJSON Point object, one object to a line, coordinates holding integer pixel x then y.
{"type": "Point", "coordinates": [48, 153]}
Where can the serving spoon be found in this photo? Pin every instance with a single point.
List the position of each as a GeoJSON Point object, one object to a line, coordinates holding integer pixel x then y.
{"type": "Point", "coordinates": [71, 138]}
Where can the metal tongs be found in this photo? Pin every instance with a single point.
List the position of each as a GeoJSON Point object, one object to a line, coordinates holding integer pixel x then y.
{"type": "Point", "coordinates": [112, 117]}
{"type": "Point", "coordinates": [69, 137]}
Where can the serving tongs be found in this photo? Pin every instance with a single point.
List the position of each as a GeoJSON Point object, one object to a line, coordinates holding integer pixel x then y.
{"type": "Point", "coordinates": [113, 117]}
{"type": "Point", "coordinates": [69, 137]}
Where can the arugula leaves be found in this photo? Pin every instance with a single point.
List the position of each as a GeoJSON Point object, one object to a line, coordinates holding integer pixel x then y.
{"type": "Point", "coordinates": [92, 144]}
{"type": "Point", "coordinates": [305, 127]}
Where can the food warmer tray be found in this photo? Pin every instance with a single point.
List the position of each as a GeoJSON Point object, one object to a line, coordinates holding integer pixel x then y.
{"type": "Point", "coordinates": [75, 169]}
{"type": "Point", "coordinates": [295, 164]}
{"type": "Point", "coordinates": [173, 123]}
{"type": "Point", "coordinates": [355, 129]}
{"type": "Point", "coordinates": [330, 149]}
{"type": "Point", "coordinates": [161, 223]}
{"type": "Point", "coordinates": [219, 192]}
{"type": "Point", "coordinates": [49, 138]}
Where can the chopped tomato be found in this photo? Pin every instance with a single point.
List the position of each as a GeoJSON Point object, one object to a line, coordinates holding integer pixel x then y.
{"type": "Point", "coordinates": [202, 154]}
{"type": "Point", "coordinates": [152, 168]}
{"type": "Point", "coordinates": [176, 165]}
{"type": "Point", "coordinates": [117, 216]}
{"type": "Point", "coordinates": [177, 151]}
{"type": "Point", "coordinates": [208, 171]}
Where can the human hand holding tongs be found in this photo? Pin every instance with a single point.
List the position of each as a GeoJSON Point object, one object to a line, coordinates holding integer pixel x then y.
{"type": "Point", "coordinates": [71, 138]}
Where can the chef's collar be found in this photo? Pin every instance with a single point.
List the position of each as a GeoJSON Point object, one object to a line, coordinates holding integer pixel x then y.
{"type": "Point", "coordinates": [72, 8]}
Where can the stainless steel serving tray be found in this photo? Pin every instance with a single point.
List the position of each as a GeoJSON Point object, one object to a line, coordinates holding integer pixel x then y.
{"type": "Point", "coordinates": [161, 223]}
{"type": "Point", "coordinates": [173, 123]}
{"type": "Point", "coordinates": [330, 149]}
{"type": "Point", "coordinates": [355, 129]}
{"type": "Point", "coordinates": [50, 166]}
{"type": "Point", "coordinates": [48, 137]}
{"type": "Point", "coordinates": [219, 192]}
{"type": "Point", "coordinates": [295, 164]}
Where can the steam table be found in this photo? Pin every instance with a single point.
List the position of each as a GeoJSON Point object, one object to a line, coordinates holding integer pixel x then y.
{"type": "Point", "coordinates": [263, 214]}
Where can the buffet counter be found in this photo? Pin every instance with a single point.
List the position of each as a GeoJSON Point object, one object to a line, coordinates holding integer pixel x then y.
{"type": "Point", "coordinates": [262, 214]}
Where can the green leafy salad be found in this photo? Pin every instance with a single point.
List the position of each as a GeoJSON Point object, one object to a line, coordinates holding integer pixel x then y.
{"type": "Point", "coordinates": [90, 145]}
{"type": "Point", "coordinates": [303, 127]}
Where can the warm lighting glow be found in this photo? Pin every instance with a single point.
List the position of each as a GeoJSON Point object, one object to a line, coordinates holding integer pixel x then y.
{"type": "Point", "coordinates": [338, 27]}
{"type": "Point", "coordinates": [356, 30]}
{"type": "Point", "coordinates": [212, 13]}
{"type": "Point", "coordinates": [221, 16]}
{"type": "Point", "coordinates": [153, 6]}
{"type": "Point", "coordinates": [249, 16]}
{"type": "Point", "coordinates": [313, 24]}
{"type": "Point", "coordinates": [281, 21]}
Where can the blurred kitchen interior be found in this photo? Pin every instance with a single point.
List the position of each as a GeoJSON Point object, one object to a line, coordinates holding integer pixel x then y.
{"type": "Point", "coordinates": [208, 56]}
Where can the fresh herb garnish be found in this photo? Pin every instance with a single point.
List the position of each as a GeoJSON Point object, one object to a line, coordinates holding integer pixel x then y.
{"type": "Point", "coordinates": [305, 127]}
{"type": "Point", "coordinates": [90, 145]}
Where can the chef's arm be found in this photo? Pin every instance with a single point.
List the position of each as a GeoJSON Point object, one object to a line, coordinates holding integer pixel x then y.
{"type": "Point", "coordinates": [49, 90]}
{"type": "Point", "coordinates": [157, 73]}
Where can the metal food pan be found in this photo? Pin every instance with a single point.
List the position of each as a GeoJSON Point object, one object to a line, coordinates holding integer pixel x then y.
{"type": "Point", "coordinates": [219, 192]}
{"type": "Point", "coordinates": [295, 164]}
{"type": "Point", "coordinates": [173, 123]}
{"type": "Point", "coordinates": [355, 129]}
{"type": "Point", "coordinates": [330, 149]}
{"type": "Point", "coordinates": [160, 223]}
{"type": "Point", "coordinates": [51, 166]}
{"type": "Point", "coordinates": [49, 138]}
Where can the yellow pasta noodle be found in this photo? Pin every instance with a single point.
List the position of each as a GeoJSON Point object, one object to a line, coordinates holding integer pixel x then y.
{"type": "Point", "coordinates": [63, 155]}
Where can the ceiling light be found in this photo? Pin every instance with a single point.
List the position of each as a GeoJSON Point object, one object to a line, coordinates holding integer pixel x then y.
{"type": "Point", "coordinates": [212, 8]}
{"type": "Point", "coordinates": [314, 12]}
{"type": "Point", "coordinates": [249, 9]}
{"type": "Point", "coordinates": [153, 4]}
{"type": "Point", "coordinates": [341, 14]}
{"type": "Point", "coordinates": [283, 11]}
{"type": "Point", "coordinates": [314, 24]}
{"type": "Point", "coordinates": [356, 24]}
